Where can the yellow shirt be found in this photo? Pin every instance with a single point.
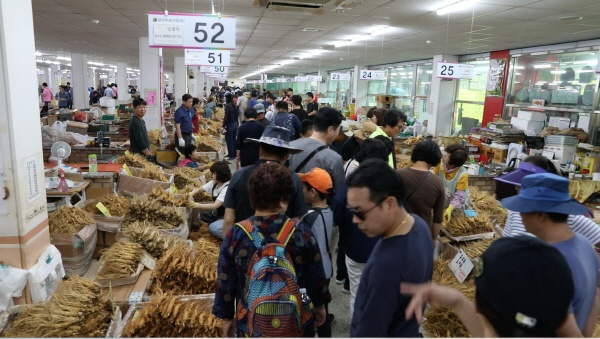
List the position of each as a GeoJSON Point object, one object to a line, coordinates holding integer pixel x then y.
{"type": "Point", "coordinates": [463, 181]}
{"type": "Point", "coordinates": [380, 131]}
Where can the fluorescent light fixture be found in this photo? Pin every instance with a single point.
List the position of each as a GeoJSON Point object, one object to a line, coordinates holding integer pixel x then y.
{"type": "Point", "coordinates": [586, 62]}
{"type": "Point", "coordinates": [342, 44]}
{"type": "Point", "coordinates": [455, 6]}
{"type": "Point", "coordinates": [69, 65]}
{"type": "Point", "coordinates": [558, 72]}
{"type": "Point", "coordinates": [38, 54]}
{"type": "Point", "coordinates": [586, 71]}
{"type": "Point", "coordinates": [382, 30]}
{"type": "Point", "coordinates": [520, 67]}
{"type": "Point", "coordinates": [429, 72]}
{"type": "Point", "coordinates": [542, 66]}
{"type": "Point", "coordinates": [360, 37]}
{"type": "Point", "coordinates": [539, 53]}
{"type": "Point", "coordinates": [518, 74]}
{"type": "Point", "coordinates": [63, 58]}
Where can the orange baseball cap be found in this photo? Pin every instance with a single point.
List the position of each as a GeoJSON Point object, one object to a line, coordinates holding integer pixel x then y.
{"type": "Point", "coordinates": [319, 179]}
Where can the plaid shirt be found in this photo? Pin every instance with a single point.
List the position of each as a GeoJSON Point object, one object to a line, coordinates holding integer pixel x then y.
{"type": "Point", "coordinates": [237, 250]}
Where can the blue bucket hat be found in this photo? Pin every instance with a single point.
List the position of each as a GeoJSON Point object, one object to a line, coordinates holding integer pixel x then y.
{"type": "Point", "coordinates": [515, 177]}
{"type": "Point", "coordinates": [544, 192]}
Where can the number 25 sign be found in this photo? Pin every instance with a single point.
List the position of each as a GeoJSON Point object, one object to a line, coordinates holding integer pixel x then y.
{"type": "Point", "coordinates": [188, 30]}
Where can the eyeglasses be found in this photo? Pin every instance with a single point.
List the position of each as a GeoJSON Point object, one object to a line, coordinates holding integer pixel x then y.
{"type": "Point", "coordinates": [362, 215]}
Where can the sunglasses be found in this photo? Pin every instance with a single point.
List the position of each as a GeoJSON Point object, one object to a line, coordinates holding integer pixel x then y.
{"type": "Point", "coordinates": [362, 215]}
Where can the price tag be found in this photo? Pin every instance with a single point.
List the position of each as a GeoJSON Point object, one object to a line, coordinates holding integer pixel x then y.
{"type": "Point", "coordinates": [461, 266]}
{"type": "Point", "coordinates": [148, 261]}
{"type": "Point", "coordinates": [200, 57]}
{"type": "Point", "coordinates": [189, 30]}
{"type": "Point", "coordinates": [103, 209]}
{"type": "Point", "coordinates": [470, 213]}
{"type": "Point", "coordinates": [136, 297]}
{"type": "Point", "coordinates": [127, 170]}
{"type": "Point", "coordinates": [174, 189]}
{"type": "Point", "coordinates": [335, 76]}
{"type": "Point", "coordinates": [449, 70]}
{"type": "Point", "coordinates": [214, 69]}
{"type": "Point", "coordinates": [127, 153]}
{"type": "Point", "coordinates": [366, 74]}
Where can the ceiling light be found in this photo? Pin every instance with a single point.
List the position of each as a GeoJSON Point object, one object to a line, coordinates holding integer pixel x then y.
{"type": "Point", "coordinates": [428, 41]}
{"type": "Point", "coordinates": [520, 67]}
{"type": "Point", "coordinates": [428, 72]}
{"type": "Point", "coordinates": [586, 62]}
{"type": "Point", "coordinates": [558, 72]}
{"type": "Point", "coordinates": [455, 6]}
{"type": "Point", "coordinates": [312, 30]}
{"type": "Point", "coordinates": [342, 44]}
{"type": "Point", "coordinates": [382, 30]}
{"type": "Point", "coordinates": [360, 37]}
{"type": "Point", "coordinates": [542, 66]}
{"type": "Point", "coordinates": [38, 54]}
{"type": "Point", "coordinates": [63, 58]}
{"type": "Point", "coordinates": [95, 21]}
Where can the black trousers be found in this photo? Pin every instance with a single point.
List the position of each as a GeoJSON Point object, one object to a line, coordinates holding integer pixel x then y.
{"type": "Point", "coordinates": [187, 137]}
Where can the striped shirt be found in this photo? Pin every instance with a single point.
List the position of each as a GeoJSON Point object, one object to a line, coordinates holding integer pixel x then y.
{"type": "Point", "coordinates": [578, 224]}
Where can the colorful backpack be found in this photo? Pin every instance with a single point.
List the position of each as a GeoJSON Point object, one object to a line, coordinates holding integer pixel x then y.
{"type": "Point", "coordinates": [272, 298]}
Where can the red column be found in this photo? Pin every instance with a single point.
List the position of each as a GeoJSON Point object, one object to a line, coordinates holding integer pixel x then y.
{"type": "Point", "coordinates": [495, 104]}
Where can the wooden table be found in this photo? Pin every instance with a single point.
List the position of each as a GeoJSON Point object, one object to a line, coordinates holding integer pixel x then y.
{"type": "Point", "coordinates": [78, 190]}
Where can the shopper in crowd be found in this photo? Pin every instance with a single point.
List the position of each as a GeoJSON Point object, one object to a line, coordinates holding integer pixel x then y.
{"type": "Point", "coordinates": [230, 125]}
{"type": "Point", "coordinates": [274, 147]}
{"type": "Point", "coordinates": [115, 91]}
{"type": "Point", "coordinates": [545, 205]}
{"type": "Point", "coordinates": [69, 90]}
{"type": "Point", "coordinates": [190, 157]}
{"type": "Point", "coordinates": [138, 134]}
{"type": "Point", "coordinates": [288, 94]}
{"type": "Point", "coordinates": [253, 99]}
{"type": "Point", "coordinates": [242, 104]}
{"type": "Point", "coordinates": [354, 247]}
{"type": "Point", "coordinates": [247, 152]}
{"type": "Point", "coordinates": [297, 109]}
{"type": "Point", "coordinates": [455, 179]}
{"type": "Point", "coordinates": [425, 194]}
{"type": "Point", "coordinates": [286, 120]}
{"type": "Point", "coordinates": [260, 115]}
{"type": "Point", "coordinates": [183, 122]}
{"type": "Point", "coordinates": [270, 192]}
{"type": "Point", "coordinates": [196, 118]}
{"type": "Point", "coordinates": [393, 123]}
{"type": "Point", "coordinates": [63, 97]}
{"type": "Point", "coordinates": [523, 288]}
{"type": "Point", "coordinates": [108, 92]}
{"type": "Point", "coordinates": [46, 97]}
{"type": "Point", "coordinates": [269, 104]}
{"type": "Point", "coordinates": [514, 224]}
{"type": "Point", "coordinates": [343, 136]}
{"type": "Point", "coordinates": [376, 200]}
{"type": "Point", "coordinates": [351, 145]}
{"type": "Point", "coordinates": [376, 115]}
{"type": "Point", "coordinates": [209, 108]}
{"type": "Point", "coordinates": [316, 152]}
{"type": "Point", "coordinates": [317, 186]}
{"type": "Point", "coordinates": [306, 128]}
{"type": "Point", "coordinates": [311, 106]}
{"type": "Point", "coordinates": [213, 212]}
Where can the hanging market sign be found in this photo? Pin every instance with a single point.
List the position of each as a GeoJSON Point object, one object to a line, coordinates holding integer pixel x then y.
{"type": "Point", "coordinates": [335, 76]}
{"type": "Point", "coordinates": [189, 30]}
{"type": "Point", "coordinates": [214, 69]}
{"type": "Point", "coordinates": [366, 74]}
{"type": "Point", "coordinates": [204, 57]}
{"type": "Point", "coordinates": [450, 70]}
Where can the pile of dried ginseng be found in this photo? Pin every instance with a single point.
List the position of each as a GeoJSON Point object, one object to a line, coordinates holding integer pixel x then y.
{"type": "Point", "coordinates": [184, 270]}
{"type": "Point", "coordinates": [120, 260]}
{"type": "Point", "coordinates": [484, 202]}
{"type": "Point", "coordinates": [185, 177]}
{"type": "Point", "coordinates": [142, 208]}
{"type": "Point", "coordinates": [154, 173]}
{"type": "Point", "coordinates": [173, 316]}
{"type": "Point", "coordinates": [166, 198]}
{"type": "Point", "coordinates": [134, 160]}
{"type": "Point", "coordinates": [474, 249]}
{"type": "Point", "coordinates": [67, 220]}
{"type": "Point", "coordinates": [117, 205]}
{"type": "Point", "coordinates": [203, 233]}
{"type": "Point", "coordinates": [76, 309]}
{"type": "Point", "coordinates": [461, 225]}
{"type": "Point", "coordinates": [155, 242]}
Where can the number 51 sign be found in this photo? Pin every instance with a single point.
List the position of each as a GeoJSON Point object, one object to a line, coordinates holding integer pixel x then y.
{"type": "Point", "coordinates": [451, 70]}
{"type": "Point", "coordinates": [188, 30]}
{"type": "Point", "coordinates": [206, 57]}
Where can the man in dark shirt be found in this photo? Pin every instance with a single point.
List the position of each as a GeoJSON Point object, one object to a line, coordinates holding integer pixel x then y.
{"type": "Point", "coordinates": [247, 152]}
{"type": "Point", "coordinates": [260, 115]}
{"type": "Point", "coordinates": [274, 146]}
{"type": "Point", "coordinates": [253, 99]}
{"type": "Point", "coordinates": [311, 106]}
{"type": "Point", "coordinates": [138, 135]}
{"type": "Point", "coordinates": [183, 122]}
{"type": "Point", "coordinates": [286, 120]}
{"type": "Point", "coordinates": [297, 108]}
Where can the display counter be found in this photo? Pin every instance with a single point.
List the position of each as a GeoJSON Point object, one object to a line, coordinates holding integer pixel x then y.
{"type": "Point", "coordinates": [79, 154]}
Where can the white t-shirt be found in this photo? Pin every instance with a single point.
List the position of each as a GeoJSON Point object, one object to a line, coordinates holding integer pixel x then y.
{"type": "Point", "coordinates": [219, 192]}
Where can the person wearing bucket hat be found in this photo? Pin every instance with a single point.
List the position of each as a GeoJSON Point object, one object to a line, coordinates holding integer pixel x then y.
{"type": "Point", "coordinates": [533, 302]}
{"type": "Point", "coordinates": [544, 203]}
{"type": "Point", "coordinates": [274, 146]}
{"type": "Point", "coordinates": [514, 225]}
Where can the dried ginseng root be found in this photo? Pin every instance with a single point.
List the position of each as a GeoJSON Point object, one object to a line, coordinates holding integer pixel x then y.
{"type": "Point", "coordinates": [120, 260]}
{"type": "Point", "coordinates": [67, 220]}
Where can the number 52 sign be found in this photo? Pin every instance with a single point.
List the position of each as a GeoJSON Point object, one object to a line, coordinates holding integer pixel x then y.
{"type": "Point", "coordinates": [451, 70]}
{"type": "Point", "coordinates": [188, 30]}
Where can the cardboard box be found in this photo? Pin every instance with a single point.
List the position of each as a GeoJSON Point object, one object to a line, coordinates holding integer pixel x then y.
{"type": "Point", "coordinates": [531, 116]}
{"type": "Point", "coordinates": [499, 155]}
{"type": "Point", "coordinates": [74, 245]}
{"type": "Point", "coordinates": [133, 185]}
{"type": "Point", "coordinates": [562, 153]}
{"type": "Point", "coordinates": [527, 125]}
{"type": "Point", "coordinates": [121, 294]}
{"type": "Point", "coordinates": [384, 99]}
{"type": "Point", "coordinates": [166, 155]}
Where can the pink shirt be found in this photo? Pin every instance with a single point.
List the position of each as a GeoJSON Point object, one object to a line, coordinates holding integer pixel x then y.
{"type": "Point", "coordinates": [46, 94]}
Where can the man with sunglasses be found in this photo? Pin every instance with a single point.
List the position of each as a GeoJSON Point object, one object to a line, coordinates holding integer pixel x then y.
{"type": "Point", "coordinates": [375, 198]}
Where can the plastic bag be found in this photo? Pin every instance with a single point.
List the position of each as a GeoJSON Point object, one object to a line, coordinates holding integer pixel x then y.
{"type": "Point", "coordinates": [49, 136]}
{"type": "Point", "coordinates": [73, 138]}
{"type": "Point", "coordinates": [60, 127]}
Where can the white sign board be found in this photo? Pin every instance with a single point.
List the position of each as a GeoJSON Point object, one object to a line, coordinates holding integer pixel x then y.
{"type": "Point", "coordinates": [461, 266]}
{"type": "Point", "coordinates": [188, 30]}
{"type": "Point", "coordinates": [311, 78]}
{"type": "Point", "coordinates": [270, 81]}
{"type": "Point", "coordinates": [451, 70]}
{"type": "Point", "coordinates": [206, 57]}
{"type": "Point", "coordinates": [214, 69]}
{"type": "Point", "coordinates": [366, 74]}
{"type": "Point", "coordinates": [32, 168]}
{"type": "Point", "coordinates": [335, 76]}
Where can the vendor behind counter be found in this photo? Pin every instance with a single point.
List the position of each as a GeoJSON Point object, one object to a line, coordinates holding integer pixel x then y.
{"type": "Point", "coordinates": [138, 134]}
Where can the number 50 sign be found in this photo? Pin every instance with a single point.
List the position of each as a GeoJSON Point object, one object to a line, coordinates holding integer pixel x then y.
{"type": "Point", "coordinates": [188, 30]}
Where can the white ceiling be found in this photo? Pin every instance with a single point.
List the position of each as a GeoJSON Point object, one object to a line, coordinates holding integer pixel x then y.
{"type": "Point", "coordinates": [266, 37]}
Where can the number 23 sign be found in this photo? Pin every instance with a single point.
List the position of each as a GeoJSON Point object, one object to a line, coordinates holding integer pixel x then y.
{"type": "Point", "coordinates": [188, 30]}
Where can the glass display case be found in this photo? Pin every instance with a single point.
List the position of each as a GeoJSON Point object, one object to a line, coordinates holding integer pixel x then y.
{"type": "Point", "coordinates": [339, 92]}
{"type": "Point", "coordinates": [470, 98]}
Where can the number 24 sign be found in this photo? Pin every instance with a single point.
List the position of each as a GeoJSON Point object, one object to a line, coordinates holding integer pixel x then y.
{"type": "Point", "coordinates": [188, 30]}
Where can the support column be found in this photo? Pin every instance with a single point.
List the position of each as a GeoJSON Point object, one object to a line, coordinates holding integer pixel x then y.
{"type": "Point", "coordinates": [79, 80]}
{"type": "Point", "coordinates": [122, 82]}
{"type": "Point", "coordinates": [23, 216]}
{"type": "Point", "coordinates": [441, 100]}
{"type": "Point", "coordinates": [150, 87]}
{"type": "Point", "coordinates": [180, 78]}
{"type": "Point", "coordinates": [91, 78]}
{"type": "Point", "coordinates": [54, 72]}
{"type": "Point", "coordinates": [201, 83]}
{"type": "Point", "coordinates": [359, 88]}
